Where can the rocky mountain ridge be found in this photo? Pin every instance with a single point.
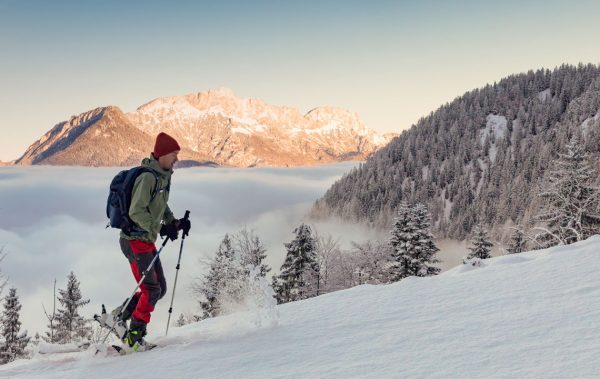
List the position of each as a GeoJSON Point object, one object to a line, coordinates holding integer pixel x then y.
{"type": "Point", "coordinates": [214, 128]}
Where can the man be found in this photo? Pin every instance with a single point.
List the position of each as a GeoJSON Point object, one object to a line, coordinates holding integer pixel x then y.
{"type": "Point", "coordinates": [152, 216]}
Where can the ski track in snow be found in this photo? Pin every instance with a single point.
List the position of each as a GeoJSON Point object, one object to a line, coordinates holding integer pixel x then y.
{"type": "Point", "coordinates": [533, 315]}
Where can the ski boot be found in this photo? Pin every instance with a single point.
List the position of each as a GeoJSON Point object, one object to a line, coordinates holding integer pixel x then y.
{"type": "Point", "coordinates": [134, 339]}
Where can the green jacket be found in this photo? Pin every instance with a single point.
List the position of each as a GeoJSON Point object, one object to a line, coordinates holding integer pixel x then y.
{"type": "Point", "coordinates": [149, 216]}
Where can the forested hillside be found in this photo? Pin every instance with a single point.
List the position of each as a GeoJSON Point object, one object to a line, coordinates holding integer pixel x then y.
{"type": "Point", "coordinates": [480, 158]}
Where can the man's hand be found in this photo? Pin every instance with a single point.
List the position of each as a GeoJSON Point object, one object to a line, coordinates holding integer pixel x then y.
{"type": "Point", "coordinates": [170, 231]}
{"type": "Point", "coordinates": [185, 225]}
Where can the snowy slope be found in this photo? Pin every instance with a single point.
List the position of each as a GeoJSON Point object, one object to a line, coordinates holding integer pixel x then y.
{"type": "Point", "coordinates": [534, 315]}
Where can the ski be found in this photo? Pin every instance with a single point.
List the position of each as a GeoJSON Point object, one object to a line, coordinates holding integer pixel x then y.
{"type": "Point", "coordinates": [126, 350]}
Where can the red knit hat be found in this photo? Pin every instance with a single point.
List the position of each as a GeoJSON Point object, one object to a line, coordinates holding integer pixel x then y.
{"type": "Point", "coordinates": [164, 145]}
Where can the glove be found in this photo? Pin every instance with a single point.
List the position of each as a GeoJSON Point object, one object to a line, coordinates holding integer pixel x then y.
{"type": "Point", "coordinates": [170, 231]}
{"type": "Point", "coordinates": [185, 225]}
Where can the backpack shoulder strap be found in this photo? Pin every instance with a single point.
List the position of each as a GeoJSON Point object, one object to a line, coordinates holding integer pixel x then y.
{"type": "Point", "coordinates": [156, 180]}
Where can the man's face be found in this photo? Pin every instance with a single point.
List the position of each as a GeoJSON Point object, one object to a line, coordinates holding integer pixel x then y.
{"type": "Point", "coordinates": [166, 162]}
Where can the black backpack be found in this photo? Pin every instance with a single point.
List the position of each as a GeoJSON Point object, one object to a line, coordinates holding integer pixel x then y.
{"type": "Point", "coordinates": [119, 198]}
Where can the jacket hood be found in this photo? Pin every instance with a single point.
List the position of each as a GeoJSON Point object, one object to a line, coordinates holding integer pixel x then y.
{"type": "Point", "coordinates": [152, 163]}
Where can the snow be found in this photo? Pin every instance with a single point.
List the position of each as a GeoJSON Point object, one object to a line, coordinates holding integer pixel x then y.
{"type": "Point", "coordinates": [49, 348]}
{"type": "Point", "coordinates": [249, 129]}
{"type": "Point", "coordinates": [531, 315]}
{"type": "Point", "coordinates": [331, 127]}
{"type": "Point", "coordinates": [447, 205]}
{"type": "Point", "coordinates": [180, 109]}
{"type": "Point", "coordinates": [544, 95]}
{"type": "Point", "coordinates": [241, 130]}
{"type": "Point", "coordinates": [516, 130]}
{"type": "Point", "coordinates": [173, 106]}
{"type": "Point", "coordinates": [493, 152]}
{"type": "Point", "coordinates": [585, 125]}
{"type": "Point", "coordinates": [379, 139]}
{"type": "Point", "coordinates": [495, 126]}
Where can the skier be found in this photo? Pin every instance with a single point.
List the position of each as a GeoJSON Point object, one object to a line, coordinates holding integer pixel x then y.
{"type": "Point", "coordinates": [151, 215]}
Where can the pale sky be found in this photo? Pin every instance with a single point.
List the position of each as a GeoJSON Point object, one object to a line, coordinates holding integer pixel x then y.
{"type": "Point", "coordinates": [392, 62]}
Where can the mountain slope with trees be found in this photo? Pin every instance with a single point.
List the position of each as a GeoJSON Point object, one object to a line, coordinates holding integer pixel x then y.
{"type": "Point", "coordinates": [480, 158]}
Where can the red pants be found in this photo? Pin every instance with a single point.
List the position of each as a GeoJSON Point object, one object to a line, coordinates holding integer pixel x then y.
{"type": "Point", "coordinates": [140, 254]}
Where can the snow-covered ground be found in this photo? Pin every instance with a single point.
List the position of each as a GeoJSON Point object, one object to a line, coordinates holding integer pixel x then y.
{"type": "Point", "coordinates": [533, 315]}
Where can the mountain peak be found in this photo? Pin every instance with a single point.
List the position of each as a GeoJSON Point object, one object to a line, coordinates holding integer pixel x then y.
{"type": "Point", "coordinates": [222, 92]}
{"type": "Point", "coordinates": [214, 126]}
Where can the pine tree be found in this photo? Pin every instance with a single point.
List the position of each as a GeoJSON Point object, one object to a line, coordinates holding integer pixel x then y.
{"type": "Point", "coordinates": [236, 276]}
{"type": "Point", "coordinates": [224, 269]}
{"type": "Point", "coordinates": [518, 242]}
{"type": "Point", "coordinates": [14, 344]}
{"type": "Point", "coordinates": [481, 245]}
{"type": "Point", "coordinates": [71, 326]}
{"type": "Point", "coordinates": [571, 209]}
{"type": "Point", "coordinates": [299, 277]}
{"type": "Point", "coordinates": [414, 251]}
{"type": "Point", "coordinates": [252, 251]}
{"type": "Point", "coordinates": [427, 256]}
{"type": "Point", "coordinates": [282, 292]}
{"type": "Point", "coordinates": [375, 260]}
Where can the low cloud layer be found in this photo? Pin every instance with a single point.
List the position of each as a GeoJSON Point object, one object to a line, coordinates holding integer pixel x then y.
{"type": "Point", "coordinates": [52, 221]}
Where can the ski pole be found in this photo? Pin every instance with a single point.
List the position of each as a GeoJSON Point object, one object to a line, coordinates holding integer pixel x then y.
{"type": "Point", "coordinates": [120, 315]}
{"type": "Point", "coordinates": [187, 214]}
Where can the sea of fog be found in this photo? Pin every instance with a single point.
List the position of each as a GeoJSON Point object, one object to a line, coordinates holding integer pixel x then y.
{"type": "Point", "coordinates": [52, 222]}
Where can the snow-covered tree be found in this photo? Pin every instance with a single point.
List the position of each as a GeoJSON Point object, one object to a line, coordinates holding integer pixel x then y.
{"type": "Point", "coordinates": [414, 250]}
{"type": "Point", "coordinates": [71, 326]}
{"type": "Point", "coordinates": [299, 277]}
{"type": "Point", "coordinates": [97, 333]}
{"type": "Point", "coordinates": [280, 289]}
{"type": "Point", "coordinates": [252, 251]}
{"type": "Point", "coordinates": [518, 241]}
{"type": "Point", "coordinates": [223, 268]}
{"type": "Point", "coordinates": [37, 338]}
{"type": "Point", "coordinates": [571, 198]}
{"type": "Point", "coordinates": [326, 250]}
{"type": "Point", "coordinates": [366, 262]}
{"type": "Point", "coordinates": [373, 261]}
{"type": "Point", "coordinates": [482, 247]}
{"type": "Point", "coordinates": [13, 343]}
{"type": "Point", "coordinates": [236, 279]}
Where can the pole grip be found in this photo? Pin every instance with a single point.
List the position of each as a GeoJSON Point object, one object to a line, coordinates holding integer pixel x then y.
{"type": "Point", "coordinates": [185, 217]}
